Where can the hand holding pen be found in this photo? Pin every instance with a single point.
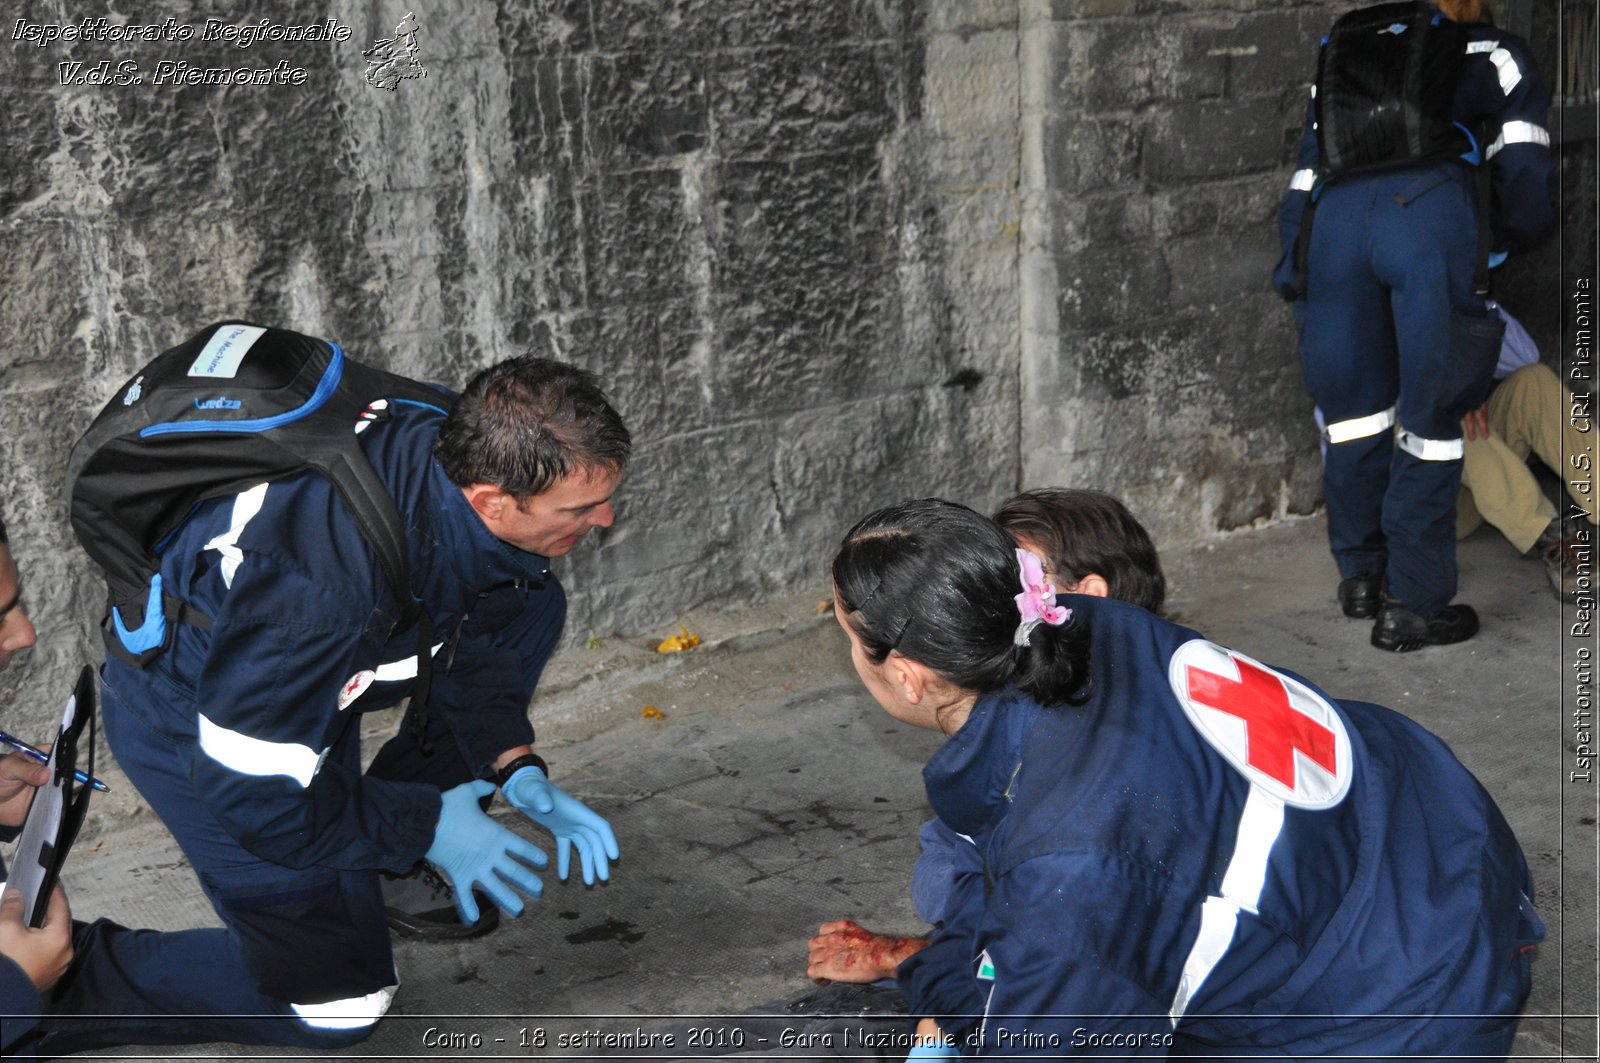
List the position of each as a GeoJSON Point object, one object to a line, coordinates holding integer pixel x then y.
{"type": "Point", "coordinates": [44, 758]}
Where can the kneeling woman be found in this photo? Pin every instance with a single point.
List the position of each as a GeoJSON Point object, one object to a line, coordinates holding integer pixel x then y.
{"type": "Point", "coordinates": [1182, 851]}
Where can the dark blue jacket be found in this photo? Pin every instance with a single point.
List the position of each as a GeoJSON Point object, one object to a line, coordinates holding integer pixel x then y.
{"type": "Point", "coordinates": [1146, 891]}
{"type": "Point", "coordinates": [302, 643]}
{"type": "Point", "coordinates": [1501, 94]}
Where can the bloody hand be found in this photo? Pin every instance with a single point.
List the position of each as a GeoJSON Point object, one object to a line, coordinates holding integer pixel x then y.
{"type": "Point", "coordinates": [844, 951]}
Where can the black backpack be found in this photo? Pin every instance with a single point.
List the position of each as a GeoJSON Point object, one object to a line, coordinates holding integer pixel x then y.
{"type": "Point", "coordinates": [1386, 85]}
{"type": "Point", "coordinates": [235, 405]}
{"type": "Point", "coordinates": [1385, 98]}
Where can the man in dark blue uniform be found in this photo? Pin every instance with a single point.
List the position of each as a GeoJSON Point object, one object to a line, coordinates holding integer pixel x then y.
{"type": "Point", "coordinates": [244, 737]}
{"type": "Point", "coordinates": [1397, 345]}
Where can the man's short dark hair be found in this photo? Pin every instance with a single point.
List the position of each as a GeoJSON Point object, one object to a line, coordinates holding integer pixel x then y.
{"type": "Point", "coordinates": [525, 423]}
{"type": "Point", "coordinates": [1082, 532]}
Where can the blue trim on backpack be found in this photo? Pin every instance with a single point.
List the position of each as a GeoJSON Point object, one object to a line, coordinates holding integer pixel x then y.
{"type": "Point", "coordinates": [153, 632]}
{"type": "Point", "coordinates": [422, 405]}
{"type": "Point", "coordinates": [325, 387]}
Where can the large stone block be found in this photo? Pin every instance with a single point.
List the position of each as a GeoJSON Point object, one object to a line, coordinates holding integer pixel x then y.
{"type": "Point", "coordinates": [1240, 204]}
{"type": "Point", "coordinates": [1121, 65]}
{"type": "Point", "coordinates": [1213, 138]}
{"type": "Point", "coordinates": [1110, 285]}
{"type": "Point", "coordinates": [1263, 52]}
{"type": "Point", "coordinates": [971, 82]}
{"type": "Point", "coordinates": [789, 103]}
{"type": "Point", "coordinates": [1085, 152]}
{"type": "Point", "coordinates": [1216, 272]}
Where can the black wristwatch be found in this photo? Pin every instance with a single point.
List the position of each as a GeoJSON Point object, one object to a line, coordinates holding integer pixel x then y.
{"type": "Point", "coordinates": [516, 764]}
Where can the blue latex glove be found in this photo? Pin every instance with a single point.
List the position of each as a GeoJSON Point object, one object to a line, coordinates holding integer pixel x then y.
{"type": "Point", "coordinates": [475, 851]}
{"type": "Point", "coordinates": [942, 1050]}
{"type": "Point", "coordinates": [569, 819]}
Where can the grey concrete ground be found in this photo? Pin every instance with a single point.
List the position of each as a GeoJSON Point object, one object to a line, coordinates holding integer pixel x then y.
{"type": "Point", "coordinates": [772, 794]}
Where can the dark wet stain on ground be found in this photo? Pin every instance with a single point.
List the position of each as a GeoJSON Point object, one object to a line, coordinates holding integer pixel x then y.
{"type": "Point", "coordinates": [610, 930]}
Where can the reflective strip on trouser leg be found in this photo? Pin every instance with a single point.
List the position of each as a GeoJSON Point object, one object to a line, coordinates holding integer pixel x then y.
{"type": "Point", "coordinates": [1517, 133]}
{"type": "Point", "coordinates": [1432, 449]}
{"type": "Point", "coordinates": [352, 1014]}
{"type": "Point", "coordinates": [1360, 427]}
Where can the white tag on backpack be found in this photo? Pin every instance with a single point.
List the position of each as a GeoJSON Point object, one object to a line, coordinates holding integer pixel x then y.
{"type": "Point", "coordinates": [226, 349]}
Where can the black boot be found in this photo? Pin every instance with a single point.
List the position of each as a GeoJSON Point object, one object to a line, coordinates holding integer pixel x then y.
{"type": "Point", "coordinates": [423, 905]}
{"type": "Point", "coordinates": [1359, 595]}
{"type": "Point", "coordinates": [1399, 630]}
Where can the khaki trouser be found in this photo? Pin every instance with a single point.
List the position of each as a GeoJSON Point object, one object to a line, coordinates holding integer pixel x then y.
{"type": "Point", "coordinates": [1528, 412]}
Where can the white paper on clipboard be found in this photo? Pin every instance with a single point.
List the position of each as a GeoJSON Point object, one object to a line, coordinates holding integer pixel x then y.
{"type": "Point", "coordinates": [37, 861]}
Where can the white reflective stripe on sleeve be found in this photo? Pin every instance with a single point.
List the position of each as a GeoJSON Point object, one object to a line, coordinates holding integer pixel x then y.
{"type": "Point", "coordinates": [1302, 180]}
{"type": "Point", "coordinates": [1259, 827]}
{"type": "Point", "coordinates": [1517, 133]}
{"type": "Point", "coordinates": [246, 504]}
{"type": "Point", "coordinates": [404, 668]}
{"type": "Point", "coordinates": [1360, 427]}
{"type": "Point", "coordinates": [350, 1014]}
{"type": "Point", "coordinates": [1432, 449]}
{"type": "Point", "coordinates": [1507, 68]}
{"type": "Point", "coordinates": [1478, 47]}
{"type": "Point", "coordinates": [256, 756]}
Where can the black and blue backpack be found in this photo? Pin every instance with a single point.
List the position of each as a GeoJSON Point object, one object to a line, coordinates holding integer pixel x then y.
{"type": "Point", "coordinates": [235, 405]}
{"type": "Point", "coordinates": [1385, 98]}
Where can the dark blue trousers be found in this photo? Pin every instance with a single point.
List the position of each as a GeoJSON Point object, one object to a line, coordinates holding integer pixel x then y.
{"type": "Point", "coordinates": [1390, 322]}
{"type": "Point", "coordinates": [290, 936]}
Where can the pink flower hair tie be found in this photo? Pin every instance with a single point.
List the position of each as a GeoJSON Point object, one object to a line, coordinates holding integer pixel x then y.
{"type": "Point", "coordinates": [1037, 602]}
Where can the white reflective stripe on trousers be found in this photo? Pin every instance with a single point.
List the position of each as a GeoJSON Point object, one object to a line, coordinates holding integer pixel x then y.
{"type": "Point", "coordinates": [351, 1014]}
{"type": "Point", "coordinates": [1432, 449]}
{"type": "Point", "coordinates": [1517, 133]}
{"type": "Point", "coordinates": [404, 668]}
{"type": "Point", "coordinates": [1259, 827]}
{"type": "Point", "coordinates": [1360, 427]}
{"type": "Point", "coordinates": [256, 756]}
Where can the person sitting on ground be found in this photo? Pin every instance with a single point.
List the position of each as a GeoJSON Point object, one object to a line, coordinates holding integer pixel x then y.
{"type": "Point", "coordinates": [1525, 413]}
{"type": "Point", "coordinates": [1090, 544]}
{"type": "Point", "coordinates": [1528, 412]}
{"type": "Point", "coordinates": [1175, 849]}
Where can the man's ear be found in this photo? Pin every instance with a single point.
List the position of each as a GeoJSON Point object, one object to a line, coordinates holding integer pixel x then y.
{"type": "Point", "coordinates": [1094, 585]}
{"type": "Point", "coordinates": [487, 501]}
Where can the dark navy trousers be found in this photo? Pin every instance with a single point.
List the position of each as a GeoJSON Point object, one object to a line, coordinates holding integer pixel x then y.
{"type": "Point", "coordinates": [304, 935]}
{"type": "Point", "coordinates": [1397, 348]}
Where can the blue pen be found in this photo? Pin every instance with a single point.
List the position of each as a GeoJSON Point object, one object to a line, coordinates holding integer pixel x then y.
{"type": "Point", "coordinates": [44, 758]}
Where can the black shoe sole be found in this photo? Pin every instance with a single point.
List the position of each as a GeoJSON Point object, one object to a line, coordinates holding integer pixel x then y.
{"type": "Point", "coordinates": [1398, 643]}
{"type": "Point", "coordinates": [410, 925]}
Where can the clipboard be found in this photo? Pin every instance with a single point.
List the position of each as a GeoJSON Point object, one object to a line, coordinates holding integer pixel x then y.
{"type": "Point", "coordinates": [58, 807]}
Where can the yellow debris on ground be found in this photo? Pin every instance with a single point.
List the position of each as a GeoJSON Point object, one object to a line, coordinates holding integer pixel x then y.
{"type": "Point", "coordinates": [674, 643]}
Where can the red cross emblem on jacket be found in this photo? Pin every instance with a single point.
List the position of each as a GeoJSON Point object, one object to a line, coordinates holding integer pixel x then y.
{"type": "Point", "coordinates": [1278, 732]}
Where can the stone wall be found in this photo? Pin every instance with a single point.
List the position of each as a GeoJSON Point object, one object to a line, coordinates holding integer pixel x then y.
{"type": "Point", "coordinates": [783, 232]}
{"type": "Point", "coordinates": [826, 254]}
{"type": "Point", "coordinates": [1155, 356]}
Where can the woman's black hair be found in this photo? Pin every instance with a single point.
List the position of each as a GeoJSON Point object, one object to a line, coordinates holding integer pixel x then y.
{"type": "Point", "coordinates": [938, 582]}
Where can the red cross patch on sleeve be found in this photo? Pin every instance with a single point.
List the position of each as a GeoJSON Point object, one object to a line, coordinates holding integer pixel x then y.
{"type": "Point", "coordinates": [1274, 730]}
